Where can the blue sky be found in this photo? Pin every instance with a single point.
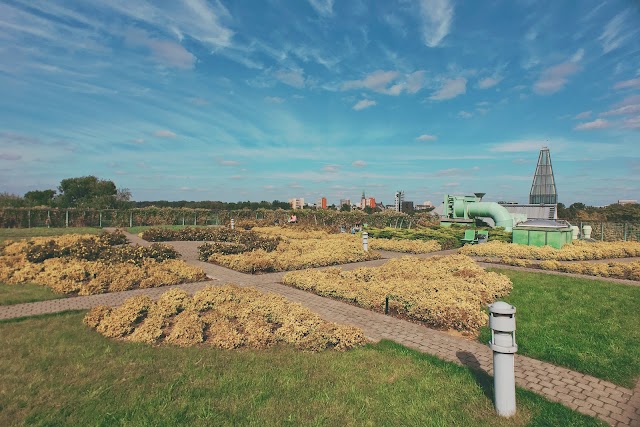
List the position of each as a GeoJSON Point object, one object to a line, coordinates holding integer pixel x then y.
{"type": "Point", "coordinates": [263, 100]}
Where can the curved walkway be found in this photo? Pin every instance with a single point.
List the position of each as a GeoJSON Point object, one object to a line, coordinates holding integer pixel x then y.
{"type": "Point", "coordinates": [616, 405]}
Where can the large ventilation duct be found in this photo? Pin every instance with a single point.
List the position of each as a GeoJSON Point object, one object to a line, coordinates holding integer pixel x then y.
{"type": "Point", "coordinates": [463, 209]}
{"type": "Point", "coordinates": [498, 213]}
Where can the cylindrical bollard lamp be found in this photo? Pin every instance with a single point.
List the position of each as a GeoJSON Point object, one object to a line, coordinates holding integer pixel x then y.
{"type": "Point", "coordinates": [502, 321]}
{"type": "Point", "coordinates": [365, 241]}
{"type": "Point", "coordinates": [233, 224]}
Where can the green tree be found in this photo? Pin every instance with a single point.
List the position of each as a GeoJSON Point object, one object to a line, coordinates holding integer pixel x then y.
{"type": "Point", "coordinates": [9, 200]}
{"type": "Point", "coordinates": [345, 208]}
{"type": "Point", "coordinates": [40, 197]}
{"type": "Point", "coordinates": [89, 191]}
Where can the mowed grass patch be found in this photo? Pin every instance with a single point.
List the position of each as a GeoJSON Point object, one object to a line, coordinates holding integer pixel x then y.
{"type": "Point", "coordinates": [590, 326]}
{"type": "Point", "coordinates": [25, 292]}
{"type": "Point", "coordinates": [26, 233]}
{"type": "Point", "coordinates": [56, 371]}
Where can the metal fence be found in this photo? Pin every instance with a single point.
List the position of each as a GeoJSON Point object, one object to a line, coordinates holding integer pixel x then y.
{"type": "Point", "coordinates": [613, 231]}
{"type": "Point", "coordinates": [38, 217]}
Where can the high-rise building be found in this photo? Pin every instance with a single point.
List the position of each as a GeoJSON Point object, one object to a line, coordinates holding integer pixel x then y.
{"type": "Point", "coordinates": [323, 203]}
{"type": "Point", "coordinates": [345, 202]}
{"type": "Point", "coordinates": [399, 199]}
{"type": "Point", "coordinates": [543, 188]}
{"type": "Point", "coordinates": [371, 202]}
{"type": "Point", "coordinates": [296, 203]}
{"type": "Point", "coordinates": [363, 201]}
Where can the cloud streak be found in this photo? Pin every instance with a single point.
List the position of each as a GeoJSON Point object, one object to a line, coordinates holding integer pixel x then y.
{"type": "Point", "coordinates": [449, 89]}
{"type": "Point", "coordinates": [436, 17]}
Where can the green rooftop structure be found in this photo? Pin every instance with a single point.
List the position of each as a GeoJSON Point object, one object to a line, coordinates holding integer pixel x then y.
{"type": "Point", "coordinates": [541, 232]}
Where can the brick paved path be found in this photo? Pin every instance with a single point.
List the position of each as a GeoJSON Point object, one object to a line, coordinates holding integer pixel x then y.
{"type": "Point", "coordinates": [618, 406]}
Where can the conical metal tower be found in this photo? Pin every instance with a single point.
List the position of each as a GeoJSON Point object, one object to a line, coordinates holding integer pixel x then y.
{"type": "Point", "coordinates": [543, 189]}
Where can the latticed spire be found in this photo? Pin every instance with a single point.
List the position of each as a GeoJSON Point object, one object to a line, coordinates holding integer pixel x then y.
{"type": "Point", "coordinates": [543, 189]}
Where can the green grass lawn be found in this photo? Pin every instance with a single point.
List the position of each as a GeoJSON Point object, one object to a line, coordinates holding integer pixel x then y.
{"type": "Point", "coordinates": [27, 292]}
{"type": "Point", "coordinates": [141, 228]}
{"type": "Point", "coordinates": [590, 326]}
{"type": "Point", "coordinates": [25, 233]}
{"type": "Point", "coordinates": [56, 371]}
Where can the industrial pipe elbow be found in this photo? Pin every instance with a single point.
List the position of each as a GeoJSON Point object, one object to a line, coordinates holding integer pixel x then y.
{"type": "Point", "coordinates": [498, 213]}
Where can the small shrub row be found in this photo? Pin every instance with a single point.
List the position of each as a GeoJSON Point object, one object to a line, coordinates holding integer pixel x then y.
{"type": "Point", "coordinates": [577, 251]}
{"type": "Point", "coordinates": [94, 249]}
{"type": "Point", "coordinates": [448, 237]}
{"type": "Point", "coordinates": [227, 317]}
{"type": "Point", "coordinates": [74, 276]}
{"type": "Point", "coordinates": [443, 292]}
{"type": "Point", "coordinates": [407, 246]}
{"type": "Point", "coordinates": [618, 270]}
{"type": "Point", "coordinates": [296, 254]}
{"type": "Point", "coordinates": [77, 264]}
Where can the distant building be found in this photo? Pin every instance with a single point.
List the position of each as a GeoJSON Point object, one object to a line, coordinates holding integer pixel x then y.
{"type": "Point", "coordinates": [407, 206]}
{"type": "Point", "coordinates": [627, 202]}
{"type": "Point", "coordinates": [345, 202]}
{"type": "Point", "coordinates": [425, 206]}
{"type": "Point", "coordinates": [296, 203]}
{"type": "Point", "coordinates": [321, 203]}
{"type": "Point", "coordinates": [399, 199]}
{"type": "Point", "coordinates": [371, 202]}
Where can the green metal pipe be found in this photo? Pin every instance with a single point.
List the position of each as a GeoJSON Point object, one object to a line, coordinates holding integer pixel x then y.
{"type": "Point", "coordinates": [498, 213]}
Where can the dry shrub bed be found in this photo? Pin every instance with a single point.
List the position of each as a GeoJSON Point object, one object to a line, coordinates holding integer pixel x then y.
{"type": "Point", "coordinates": [443, 292]}
{"type": "Point", "coordinates": [397, 245]}
{"type": "Point", "coordinates": [618, 270]}
{"type": "Point", "coordinates": [295, 254]}
{"type": "Point", "coordinates": [297, 232]}
{"type": "Point", "coordinates": [87, 265]}
{"type": "Point", "coordinates": [249, 239]}
{"type": "Point", "coordinates": [578, 251]}
{"type": "Point", "coordinates": [407, 246]}
{"type": "Point", "coordinates": [225, 317]}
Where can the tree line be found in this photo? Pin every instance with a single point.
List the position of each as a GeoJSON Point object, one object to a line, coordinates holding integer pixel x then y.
{"type": "Point", "coordinates": [96, 193]}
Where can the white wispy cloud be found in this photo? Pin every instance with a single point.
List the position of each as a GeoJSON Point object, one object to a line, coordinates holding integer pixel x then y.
{"type": "Point", "coordinates": [198, 19]}
{"type": "Point", "coordinates": [488, 82]}
{"type": "Point", "coordinates": [621, 111]}
{"type": "Point", "coordinates": [138, 140]}
{"type": "Point", "coordinates": [359, 164]}
{"type": "Point", "coordinates": [364, 103]}
{"type": "Point", "coordinates": [228, 162]}
{"type": "Point", "coordinates": [628, 84]}
{"type": "Point", "coordinates": [436, 17]}
{"type": "Point", "coordinates": [10, 157]}
{"type": "Point", "coordinates": [164, 134]}
{"type": "Point", "coordinates": [330, 168]}
{"type": "Point", "coordinates": [583, 115]}
{"type": "Point", "coordinates": [291, 77]}
{"type": "Point", "coordinates": [388, 82]}
{"type": "Point", "coordinates": [632, 123]}
{"type": "Point", "coordinates": [450, 89]}
{"type": "Point", "coordinates": [555, 78]}
{"type": "Point", "coordinates": [274, 99]}
{"type": "Point", "coordinates": [593, 125]}
{"type": "Point", "coordinates": [323, 7]}
{"type": "Point", "coordinates": [166, 52]}
{"type": "Point", "coordinates": [427, 137]}
{"type": "Point", "coordinates": [615, 33]}
{"type": "Point", "coordinates": [465, 114]}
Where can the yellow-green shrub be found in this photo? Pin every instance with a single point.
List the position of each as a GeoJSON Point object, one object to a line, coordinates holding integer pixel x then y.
{"type": "Point", "coordinates": [576, 251]}
{"type": "Point", "coordinates": [71, 275]}
{"type": "Point", "coordinates": [407, 246]}
{"type": "Point", "coordinates": [224, 317]}
{"type": "Point", "coordinates": [296, 254]}
{"type": "Point", "coordinates": [444, 292]}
